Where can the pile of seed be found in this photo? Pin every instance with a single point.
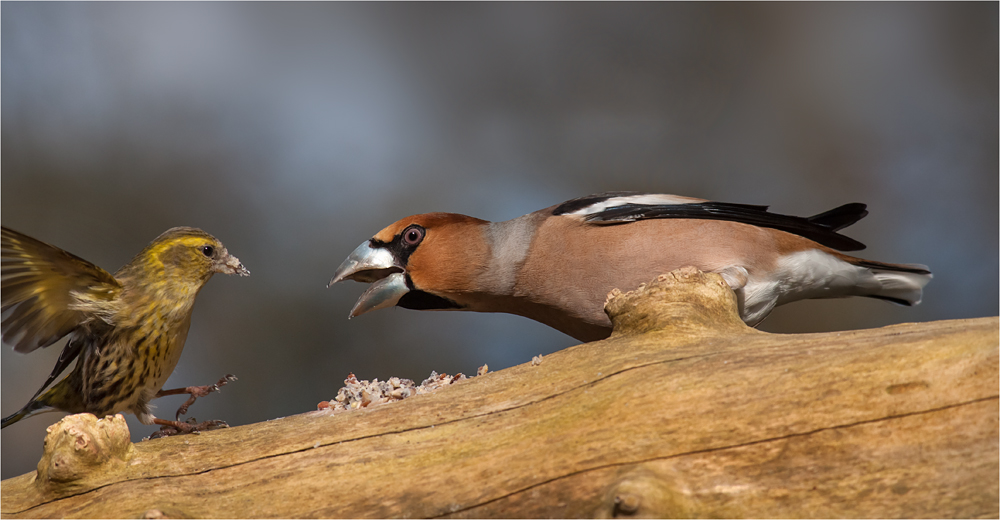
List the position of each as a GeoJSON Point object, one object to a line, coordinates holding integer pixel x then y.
{"type": "Point", "coordinates": [363, 394]}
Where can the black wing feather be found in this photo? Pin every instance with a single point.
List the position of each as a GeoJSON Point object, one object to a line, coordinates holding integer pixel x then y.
{"type": "Point", "coordinates": [820, 228]}
{"type": "Point", "coordinates": [69, 353]}
{"type": "Point", "coordinates": [840, 217]}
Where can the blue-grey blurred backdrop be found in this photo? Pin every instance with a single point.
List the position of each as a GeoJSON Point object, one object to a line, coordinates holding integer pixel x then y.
{"type": "Point", "coordinates": [294, 131]}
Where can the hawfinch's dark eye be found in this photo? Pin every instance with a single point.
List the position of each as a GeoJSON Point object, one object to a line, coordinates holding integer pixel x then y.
{"type": "Point", "coordinates": [207, 251]}
{"type": "Point", "coordinates": [413, 235]}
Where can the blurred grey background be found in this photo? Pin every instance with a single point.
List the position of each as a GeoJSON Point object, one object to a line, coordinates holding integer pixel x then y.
{"type": "Point", "coordinates": [295, 131]}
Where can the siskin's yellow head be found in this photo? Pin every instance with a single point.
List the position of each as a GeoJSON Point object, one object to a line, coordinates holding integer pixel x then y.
{"type": "Point", "coordinates": [183, 254]}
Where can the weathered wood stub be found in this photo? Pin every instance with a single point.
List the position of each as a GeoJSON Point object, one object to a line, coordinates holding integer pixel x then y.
{"type": "Point", "coordinates": [683, 412]}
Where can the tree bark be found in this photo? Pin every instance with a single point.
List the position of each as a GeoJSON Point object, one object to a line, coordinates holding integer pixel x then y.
{"type": "Point", "coordinates": [683, 412]}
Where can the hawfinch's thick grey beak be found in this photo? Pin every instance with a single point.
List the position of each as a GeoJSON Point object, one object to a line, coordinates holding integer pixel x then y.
{"type": "Point", "coordinates": [378, 267]}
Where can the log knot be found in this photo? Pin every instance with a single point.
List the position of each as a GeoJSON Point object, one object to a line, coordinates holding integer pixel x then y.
{"type": "Point", "coordinates": [683, 300]}
{"type": "Point", "coordinates": [82, 445]}
{"type": "Point", "coordinates": [645, 492]}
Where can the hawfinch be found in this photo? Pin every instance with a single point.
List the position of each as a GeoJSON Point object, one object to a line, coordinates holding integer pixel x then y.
{"type": "Point", "coordinates": [558, 264]}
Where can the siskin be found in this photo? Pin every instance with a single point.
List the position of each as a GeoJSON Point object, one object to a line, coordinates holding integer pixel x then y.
{"type": "Point", "coordinates": [126, 332]}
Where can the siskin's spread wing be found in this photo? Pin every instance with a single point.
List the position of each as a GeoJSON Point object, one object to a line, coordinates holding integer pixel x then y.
{"type": "Point", "coordinates": [46, 292]}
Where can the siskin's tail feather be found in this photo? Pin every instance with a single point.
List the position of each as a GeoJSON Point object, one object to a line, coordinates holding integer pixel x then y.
{"type": "Point", "coordinates": [32, 408]}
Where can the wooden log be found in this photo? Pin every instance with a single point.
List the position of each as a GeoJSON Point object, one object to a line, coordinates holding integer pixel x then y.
{"type": "Point", "coordinates": [683, 412]}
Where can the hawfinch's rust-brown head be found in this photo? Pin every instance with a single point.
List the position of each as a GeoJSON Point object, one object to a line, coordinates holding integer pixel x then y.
{"type": "Point", "coordinates": [417, 263]}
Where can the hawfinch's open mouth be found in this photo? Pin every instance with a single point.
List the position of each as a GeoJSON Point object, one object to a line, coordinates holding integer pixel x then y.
{"type": "Point", "coordinates": [378, 267]}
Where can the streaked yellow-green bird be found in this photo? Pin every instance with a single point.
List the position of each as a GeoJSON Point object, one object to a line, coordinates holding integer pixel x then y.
{"type": "Point", "coordinates": [126, 331]}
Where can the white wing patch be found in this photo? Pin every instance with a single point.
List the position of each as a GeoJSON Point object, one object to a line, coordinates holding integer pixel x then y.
{"type": "Point", "coordinates": [646, 198]}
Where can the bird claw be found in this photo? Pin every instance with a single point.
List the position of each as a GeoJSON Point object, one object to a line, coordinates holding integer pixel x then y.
{"type": "Point", "coordinates": [202, 391]}
{"type": "Point", "coordinates": [195, 392]}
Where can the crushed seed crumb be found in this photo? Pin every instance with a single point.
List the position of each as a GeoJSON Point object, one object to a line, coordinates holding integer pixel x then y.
{"type": "Point", "coordinates": [357, 394]}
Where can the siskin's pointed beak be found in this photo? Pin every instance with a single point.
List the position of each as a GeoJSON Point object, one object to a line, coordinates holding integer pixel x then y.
{"type": "Point", "coordinates": [378, 267]}
{"type": "Point", "coordinates": [231, 265]}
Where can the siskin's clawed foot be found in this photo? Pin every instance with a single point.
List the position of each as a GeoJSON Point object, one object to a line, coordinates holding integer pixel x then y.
{"type": "Point", "coordinates": [195, 392]}
{"type": "Point", "coordinates": [171, 428]}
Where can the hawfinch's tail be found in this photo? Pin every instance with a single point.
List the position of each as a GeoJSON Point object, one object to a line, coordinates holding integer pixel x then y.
{"type": "Point", "coordinates": [902, 284]}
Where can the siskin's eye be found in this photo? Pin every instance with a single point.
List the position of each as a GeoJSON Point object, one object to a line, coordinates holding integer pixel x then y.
{"type": "Point", "coordinates": [207, 251]}
{"type": "Point", "coordinates": [413, 235]}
